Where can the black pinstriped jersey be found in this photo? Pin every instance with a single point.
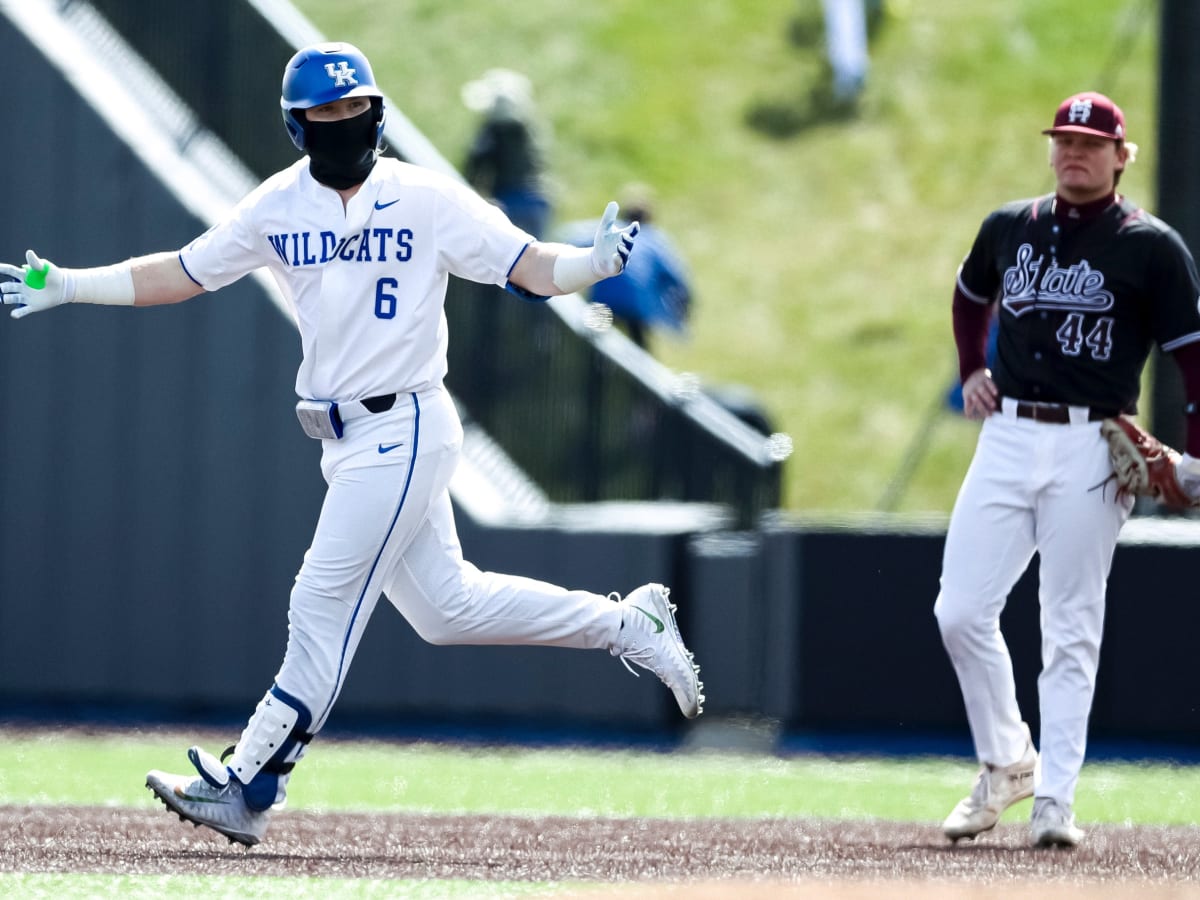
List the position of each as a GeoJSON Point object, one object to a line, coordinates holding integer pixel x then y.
{"type": "Point", "coordinates": [1081, 302]}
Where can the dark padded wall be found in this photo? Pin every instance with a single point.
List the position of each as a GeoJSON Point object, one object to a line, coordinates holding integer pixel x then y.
{"type": "Point", "coordinates": [155, 493]}
{"type": "Point", "coordinates": [863, 650]}
{"type": "Point", "coordinates": [232, 84]}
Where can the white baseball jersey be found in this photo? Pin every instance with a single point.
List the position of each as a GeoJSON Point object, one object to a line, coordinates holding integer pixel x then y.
{"type": "Point", "coordinates": [367, 283]}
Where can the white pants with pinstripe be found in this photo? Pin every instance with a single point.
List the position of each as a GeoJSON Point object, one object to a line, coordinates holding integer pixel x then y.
{"type": "Point", "coordinates": [386, 527]}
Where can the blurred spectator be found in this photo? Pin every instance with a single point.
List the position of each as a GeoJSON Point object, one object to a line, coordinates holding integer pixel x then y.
{"type": "Point", "coordinates": [506, 161]}
{"type": "Point", "coordinates": [653, 291]}
{"type": "Point", "coordinates": [846, 44]}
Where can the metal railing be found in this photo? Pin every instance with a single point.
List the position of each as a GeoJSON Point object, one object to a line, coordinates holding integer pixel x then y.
{"type": "Point", "coordinates": [593, 417]}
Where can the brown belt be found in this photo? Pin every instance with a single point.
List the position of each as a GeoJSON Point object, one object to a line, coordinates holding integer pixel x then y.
{"type": "Point", "coordinates": [1055, 413]}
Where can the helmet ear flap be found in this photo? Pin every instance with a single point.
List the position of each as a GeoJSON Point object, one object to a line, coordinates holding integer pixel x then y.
{"type": "Point", "coordinates": [293, 121]}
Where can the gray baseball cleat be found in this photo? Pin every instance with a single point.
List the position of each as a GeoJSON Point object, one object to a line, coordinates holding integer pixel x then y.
{"type": "Point", "coordinates": [649, 637]}
{"type": "Point", "coordinates": [1053, 824]}
{"type": "Point", "coordinates": [996, 789]}
{"type": "Point", "coordinates": [210, 800]}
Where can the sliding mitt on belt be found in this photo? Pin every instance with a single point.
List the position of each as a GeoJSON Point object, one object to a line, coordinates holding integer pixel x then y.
{"type": "Point", "coordinates": [1144, 465]}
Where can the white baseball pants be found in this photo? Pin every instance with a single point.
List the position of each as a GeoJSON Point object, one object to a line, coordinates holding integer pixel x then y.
{"type": "Point", "coordinates": [1031, 487]}
{"type": "Point", "coordinates": [387, 526]}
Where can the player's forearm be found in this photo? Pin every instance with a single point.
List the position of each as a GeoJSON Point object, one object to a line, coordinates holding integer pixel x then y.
{"type": "Point", "coordinates": [550, 269]}
{"type": "Point", "coordinates": [534, 271]}
{"type": "Point", "coordinates": [160, 278]}
{"type": "Point", "coordinates": [144, 281]}
{"type": "Point", "coordinates": [1188, 359]}
{"type": "Point", "coordinates": [971, 322]}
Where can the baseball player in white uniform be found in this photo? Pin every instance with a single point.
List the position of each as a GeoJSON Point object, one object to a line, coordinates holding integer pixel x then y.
{"type": "Point", "coordinates": [362, 247]}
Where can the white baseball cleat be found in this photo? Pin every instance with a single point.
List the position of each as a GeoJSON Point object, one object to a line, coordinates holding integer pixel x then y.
{"type": "Point", "coordinates": [996, 789]}
{"type": "Point", "coordinates": [649, 637]}
{"type": "Point", "coordinates": [220, 807]}
{"type": "Point", "coordinates": [1053, 824]}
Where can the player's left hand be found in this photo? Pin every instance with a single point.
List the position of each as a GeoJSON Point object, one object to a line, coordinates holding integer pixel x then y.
{"type": "Point", "coordinates": [612, 245]}
{"type": "Point", "coordinates": [1142, 464]}
{"type": "Point", "coordinates": [39, 285]}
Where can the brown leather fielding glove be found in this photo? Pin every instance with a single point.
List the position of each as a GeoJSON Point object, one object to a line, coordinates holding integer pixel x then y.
{"type": "Point", "coordinates": [1143, 464]}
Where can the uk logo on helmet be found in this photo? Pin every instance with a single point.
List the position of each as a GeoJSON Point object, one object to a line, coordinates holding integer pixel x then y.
{"type": "Point", "coordinates": [1081, 110]}
{"type": "Point", "coordinates": [341, 74]}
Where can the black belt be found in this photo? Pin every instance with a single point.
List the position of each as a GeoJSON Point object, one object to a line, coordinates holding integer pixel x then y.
{"type": "Point", "coordinates": [1056, 413]}
{"type": "Point", "coordinates": [379, 404]}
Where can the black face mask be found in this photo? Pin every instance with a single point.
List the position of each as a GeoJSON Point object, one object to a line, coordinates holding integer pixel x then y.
{"type": "Point", "coordinates": [341, 154]}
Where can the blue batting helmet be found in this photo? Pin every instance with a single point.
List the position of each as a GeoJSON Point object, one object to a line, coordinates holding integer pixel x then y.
{"type": "Point", "coordinates": [323, 73]}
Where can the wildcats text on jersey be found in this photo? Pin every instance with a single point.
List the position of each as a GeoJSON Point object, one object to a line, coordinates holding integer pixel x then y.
{"type": "Point", "coordinates": [305, 248]}
{"type": "Point", "coordinates": [1075, 287]}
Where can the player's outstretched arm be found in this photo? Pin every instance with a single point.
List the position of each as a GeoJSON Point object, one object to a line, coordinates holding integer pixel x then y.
{"type": "Point", "coordinates": [548, 269]}
{"type": "Point", "coordinates": [145, 281]}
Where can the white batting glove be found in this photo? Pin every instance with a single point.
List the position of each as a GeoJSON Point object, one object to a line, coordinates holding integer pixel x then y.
{"type": "Point", "coordinates": [1187, 473]}
{"type": "Point", "coordinates": [576, 268]}
{"type": "Point", "coordinates": [612, 246]}
{"type": "Point", "coordinates": [39, 285]}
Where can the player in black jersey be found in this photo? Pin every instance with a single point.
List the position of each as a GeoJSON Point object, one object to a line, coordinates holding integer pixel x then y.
{"type": "Point", "coordinates": [1083, 283]}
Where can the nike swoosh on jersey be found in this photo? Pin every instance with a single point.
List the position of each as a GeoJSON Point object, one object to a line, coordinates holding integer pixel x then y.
{"type": "Point", "coordinates": [379, 205]}
{"type": "Point", "coordinates": [388, 448]}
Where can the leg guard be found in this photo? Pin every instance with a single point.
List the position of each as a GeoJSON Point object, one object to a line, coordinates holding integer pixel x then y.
{"type": "Point", "coordinates": [273, 741]}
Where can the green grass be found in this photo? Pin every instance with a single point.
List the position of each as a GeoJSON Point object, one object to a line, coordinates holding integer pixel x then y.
{"type": "Point", "coordinates": [823, 256]}
{"type": "Point", "coordinates": [50, 768]}
{"type": "Point", "coordinates": [423, 778]}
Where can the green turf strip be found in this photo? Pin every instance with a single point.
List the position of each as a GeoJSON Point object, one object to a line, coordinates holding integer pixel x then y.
{"type": "Point", "coordinates": [409, 777]}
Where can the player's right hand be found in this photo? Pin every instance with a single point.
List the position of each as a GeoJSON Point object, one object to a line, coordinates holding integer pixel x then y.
{"type": "Point", "coordinates": [1187, 473]}
{"type": "Point", "coordinates": [979, 394]}
{"type": "Point", "coordinates": [39, 285]}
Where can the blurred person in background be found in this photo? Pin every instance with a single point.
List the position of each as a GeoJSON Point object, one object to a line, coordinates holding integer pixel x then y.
{"type": "Point", "coordinates": [846, 46]}
{"type": "Point", "coordinates": [654, 292]}
{"type": "Point", "coordinates": [507, 158]}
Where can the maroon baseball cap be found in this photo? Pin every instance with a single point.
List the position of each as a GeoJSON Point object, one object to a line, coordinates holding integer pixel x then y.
{"type": "Point", "coordinates": [1089, 113]}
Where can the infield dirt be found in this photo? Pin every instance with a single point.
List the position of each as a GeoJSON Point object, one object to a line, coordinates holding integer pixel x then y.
{"type": "Point", "coordinates": [634, 857]}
